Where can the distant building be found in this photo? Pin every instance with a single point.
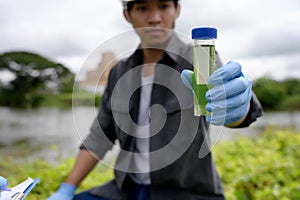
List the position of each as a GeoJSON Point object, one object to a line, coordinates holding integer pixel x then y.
{"type": "Point", "coordinates": [97, 79]}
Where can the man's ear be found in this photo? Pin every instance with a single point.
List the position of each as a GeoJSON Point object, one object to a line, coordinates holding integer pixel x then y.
{"type": "Point", "coordinates": [178, 10]}
{"type": "Point", "coordinates": [127, 15]}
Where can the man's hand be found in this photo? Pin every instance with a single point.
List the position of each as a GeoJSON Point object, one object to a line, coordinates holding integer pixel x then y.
{"type": "Point", "coordinates": [229, 99]}
{"type": "Point", "coordinates": [65, 192]}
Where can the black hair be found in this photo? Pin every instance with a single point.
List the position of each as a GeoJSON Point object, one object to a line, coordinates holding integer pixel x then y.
{"type": "Point", "coordinates": [131, 3]}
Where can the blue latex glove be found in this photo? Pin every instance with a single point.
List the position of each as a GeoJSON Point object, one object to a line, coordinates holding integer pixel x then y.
{"type": "Point", "coordinates": [65, 192]}
{"type": "Point", "coordinates": [229, 99]}
{"type": "Point", "coordinates": [187, 78]}
{"type": "Point", "coordinates": [3, 183]}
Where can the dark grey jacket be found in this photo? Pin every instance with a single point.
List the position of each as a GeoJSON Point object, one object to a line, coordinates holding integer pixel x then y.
{"type": "Point", "coordinates": [181, 163]}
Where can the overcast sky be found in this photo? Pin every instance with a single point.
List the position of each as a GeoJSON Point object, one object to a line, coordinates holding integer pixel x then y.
{"type": "Point", "coordinates": [263, 35]}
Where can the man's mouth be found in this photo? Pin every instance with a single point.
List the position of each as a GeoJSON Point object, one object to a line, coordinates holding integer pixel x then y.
{"type": "Point", "coordinates": [154, 31]}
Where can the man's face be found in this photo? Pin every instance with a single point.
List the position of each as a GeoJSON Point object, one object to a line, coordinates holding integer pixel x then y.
{"type": "Point", "coordinates": [153, 20]}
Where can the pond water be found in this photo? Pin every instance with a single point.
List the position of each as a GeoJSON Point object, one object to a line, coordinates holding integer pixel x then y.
{"type": "Point", "coordinates": [48, 133]}
{"type": "Point", "coordinates": [53, 133]}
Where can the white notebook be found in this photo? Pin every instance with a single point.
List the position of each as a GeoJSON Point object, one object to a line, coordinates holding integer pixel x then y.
{"type": "Point", "coordinates": [20, 191]}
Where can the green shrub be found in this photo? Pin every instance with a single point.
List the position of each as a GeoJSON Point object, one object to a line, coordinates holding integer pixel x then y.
{"type": "Point", "coordinates": [51, 175]}
{"type": "Point", "coordinates": [265, 167]}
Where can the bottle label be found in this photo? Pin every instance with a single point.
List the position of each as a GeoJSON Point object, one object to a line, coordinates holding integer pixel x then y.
{"type": "Point", "coordinates": [202, 65]}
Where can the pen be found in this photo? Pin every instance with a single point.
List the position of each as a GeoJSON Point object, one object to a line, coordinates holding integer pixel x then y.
{"type": "Point", "coordinates": [5, 189]}
{"type": "Point", "coordinates": [17, 196]}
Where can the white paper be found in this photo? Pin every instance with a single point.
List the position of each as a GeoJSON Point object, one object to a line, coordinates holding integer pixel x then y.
{"type": "Point", "coordinates": [20, 188]}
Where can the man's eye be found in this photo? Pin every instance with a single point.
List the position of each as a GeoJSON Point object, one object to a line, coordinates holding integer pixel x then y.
{"type": "Point", "coordinates": [141, 8]}
{"type": "Point", "coordinates": [164, 6]}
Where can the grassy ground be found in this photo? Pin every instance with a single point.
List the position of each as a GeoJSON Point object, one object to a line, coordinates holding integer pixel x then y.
{"type": "Point", "coordinates": [266, 167]}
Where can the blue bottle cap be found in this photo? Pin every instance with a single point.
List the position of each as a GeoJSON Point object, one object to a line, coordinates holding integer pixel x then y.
{"type": "Point", "coordinates": [204, 33]}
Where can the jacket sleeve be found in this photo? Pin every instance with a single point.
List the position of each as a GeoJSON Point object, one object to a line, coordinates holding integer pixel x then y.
{"type": "Point", "coordinates": [255, 111]}
{"type": "Point", "coordinates": [102, 132]}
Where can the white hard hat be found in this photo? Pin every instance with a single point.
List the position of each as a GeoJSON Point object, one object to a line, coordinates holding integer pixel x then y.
{"type": "Point", "coordinates": [124, 2]}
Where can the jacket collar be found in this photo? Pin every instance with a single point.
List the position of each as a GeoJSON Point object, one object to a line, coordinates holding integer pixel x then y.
{"type": "Point", "coordinates": [175, 48]}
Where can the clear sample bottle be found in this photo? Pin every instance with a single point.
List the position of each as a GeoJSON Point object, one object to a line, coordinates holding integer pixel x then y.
{"type": "Point", "coordinates": [204, 65]}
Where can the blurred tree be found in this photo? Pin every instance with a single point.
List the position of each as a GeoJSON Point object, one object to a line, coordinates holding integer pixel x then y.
{"type": "Point", "coordinates": [269, 92]}
{"type": "Point", "coordinates": [292, 86]}
{"type": "Point", "coordinates": [33, 76]}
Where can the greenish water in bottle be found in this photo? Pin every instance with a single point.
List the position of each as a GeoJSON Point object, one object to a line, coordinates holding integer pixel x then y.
{"type": "Point", "coordinates": [204, 65]}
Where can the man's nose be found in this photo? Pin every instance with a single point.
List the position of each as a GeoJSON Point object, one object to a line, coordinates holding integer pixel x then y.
{"type": "Point", "coordinates": [154, 17]}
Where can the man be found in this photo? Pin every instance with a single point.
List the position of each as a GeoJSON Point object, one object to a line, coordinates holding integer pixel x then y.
{"type": "Point", "coordinates": [160, 149]}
